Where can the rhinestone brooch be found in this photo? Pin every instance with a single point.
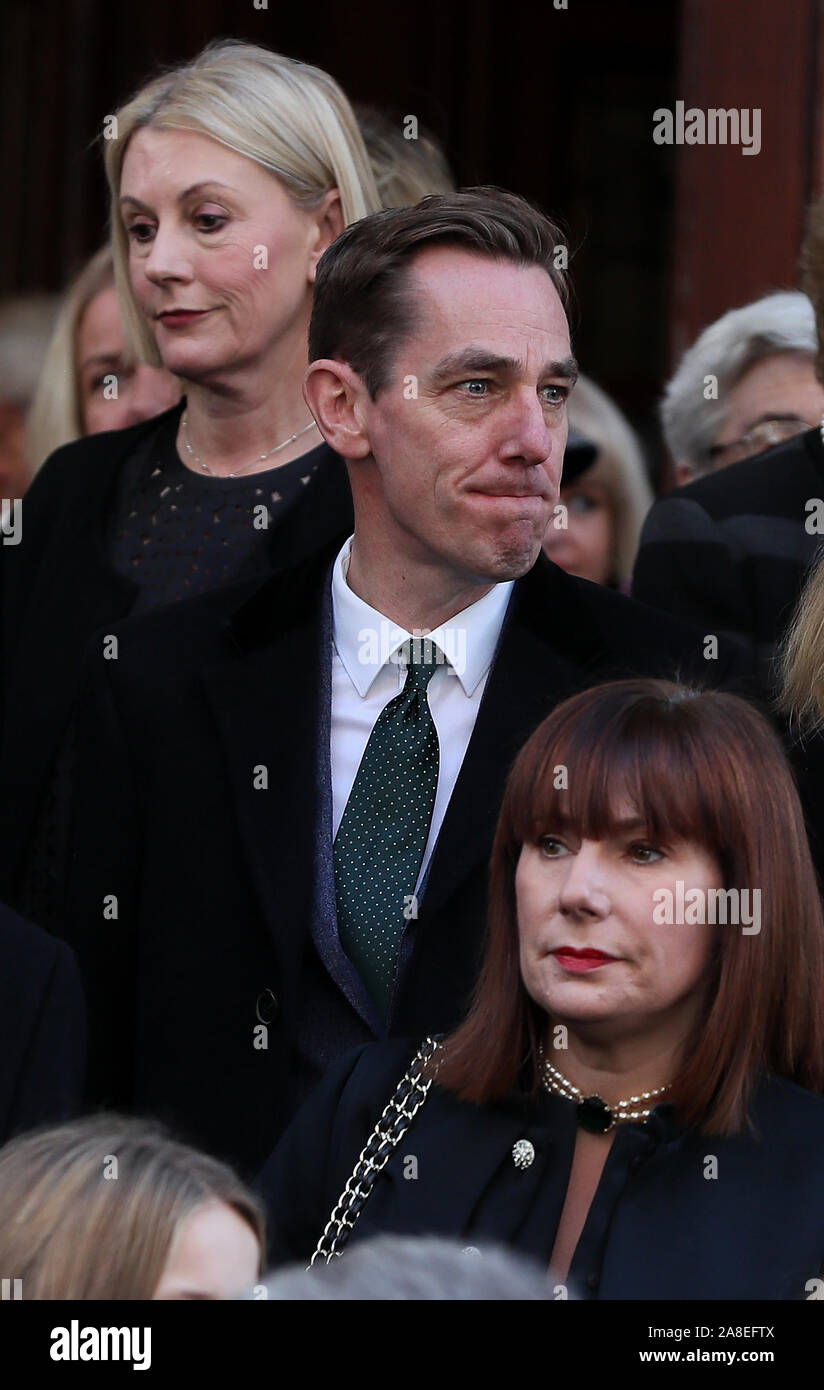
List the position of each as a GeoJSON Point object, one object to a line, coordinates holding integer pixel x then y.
{"type": "Point", "coordinates": [522, 1153]}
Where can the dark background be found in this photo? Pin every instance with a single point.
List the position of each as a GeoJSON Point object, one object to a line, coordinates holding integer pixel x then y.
{"type": "Point", "coordinates": [555, 104]}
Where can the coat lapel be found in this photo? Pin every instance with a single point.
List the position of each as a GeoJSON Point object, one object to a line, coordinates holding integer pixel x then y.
{"type": "Point", "coordinates": [265, 696]}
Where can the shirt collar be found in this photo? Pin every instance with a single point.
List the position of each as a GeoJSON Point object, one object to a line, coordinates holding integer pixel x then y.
{"type": "Point", "coordinates": [366, 640]}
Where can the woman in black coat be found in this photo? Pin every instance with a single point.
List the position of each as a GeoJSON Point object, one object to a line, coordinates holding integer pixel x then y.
{"type": "Point", "coordinates": [635, 1095]}
{"type": "Point", "coordinates": [215, 257]}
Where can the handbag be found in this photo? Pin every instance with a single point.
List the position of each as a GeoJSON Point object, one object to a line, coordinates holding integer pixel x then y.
{"type": "Point", "coordinates": [397, 1116]}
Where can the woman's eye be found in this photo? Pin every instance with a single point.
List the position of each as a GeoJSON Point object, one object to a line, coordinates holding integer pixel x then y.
{"type": "Point", "coordinates": [581, 504]}
{"type": "Point", "coordinates": [552, 848]}
{"type": "Point", "coordinates": [645, 854]}
{"type": "Point", "coordinates": [140, 231]}
{"type": "Point", "coordinates": [210, 221]}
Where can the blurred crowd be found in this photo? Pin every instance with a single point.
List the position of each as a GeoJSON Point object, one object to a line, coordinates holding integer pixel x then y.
{"type": "Point", "coordinates": [410, 825]}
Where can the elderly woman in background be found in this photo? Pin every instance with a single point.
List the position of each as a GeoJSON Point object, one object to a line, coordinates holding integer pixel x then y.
{"type": "Point", "coordinates": [113, 1208]}
{"type": "Point", "coordinates": [229, 178]}
{"type": "Point", "coordinates": [607, 503]}
{"type": "Point", "coordinates": [742, 417]}
{"type": "Point", "coordinates": [634, 1096]}
{"type": "Point", "coordinates": [86, 361]}
{"type": "Point", "coordinates": [748, 382]}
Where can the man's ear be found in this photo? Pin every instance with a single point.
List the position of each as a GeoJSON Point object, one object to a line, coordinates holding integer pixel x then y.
{"type": "Point", "coordinates": [330, 224]}
{"type": "Point", "coordinates": [336, 395]}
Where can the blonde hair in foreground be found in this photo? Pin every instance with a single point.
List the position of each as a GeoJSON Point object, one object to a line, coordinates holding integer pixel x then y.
{"type": "Point", "coordinates": [291, 118]}
{"type": "Point", "coordinates": [90, 1209]}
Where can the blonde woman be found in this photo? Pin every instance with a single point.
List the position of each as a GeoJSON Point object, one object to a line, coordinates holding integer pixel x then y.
{"type": "Point", "coordinates": [229, 177]}
{"type": "Point", "coordinates": [108, 1207]}
{"type": "Point", "coordinates": [90, 381]}
{"type": "Point", "coordinates": [799, 667]}
{"type": "Point", "coordinates": [801, 657]}
{"type": "Point", "coordinates": [607, 503]}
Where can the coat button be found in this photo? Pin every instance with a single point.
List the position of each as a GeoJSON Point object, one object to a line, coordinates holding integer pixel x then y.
{"type": "Point", "coordinates": [266, 1007]}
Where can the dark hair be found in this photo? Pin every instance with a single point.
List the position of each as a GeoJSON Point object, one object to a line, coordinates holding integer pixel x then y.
{"type": "Point", "coordinates": [705, 767]}
{"type": "Point", "coordinates": [363, 311]}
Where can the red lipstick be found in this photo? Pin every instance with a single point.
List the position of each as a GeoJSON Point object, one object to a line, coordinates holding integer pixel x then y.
{"type": "Point", "coordinates": [578, 962]}
{"type": "Point", "coordinates": [178, 318]}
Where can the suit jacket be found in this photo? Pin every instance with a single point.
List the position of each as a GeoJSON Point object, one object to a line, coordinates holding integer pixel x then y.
{"type": "Point", "coordinates": [58, 589]}
{"type": "Point", "coordinates": [204, 824]}
{"type": "Point", "coordinates": [731, 551]}
{"type": "Point", "coordinates": [658, 1226]}
{"type": "Point", "coordinates": [42, 1028]}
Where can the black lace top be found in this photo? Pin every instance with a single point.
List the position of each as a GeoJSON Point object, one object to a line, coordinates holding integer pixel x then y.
{"type": "Point", "coordinates": [175, 534]}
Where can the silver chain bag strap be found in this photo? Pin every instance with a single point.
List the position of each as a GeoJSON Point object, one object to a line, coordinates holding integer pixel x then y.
{"type": "Point", "coordinates": [397, 1116]}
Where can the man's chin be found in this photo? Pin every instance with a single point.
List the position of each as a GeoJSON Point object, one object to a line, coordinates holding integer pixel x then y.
{"type": "Point", "coordinates": [514, 558]}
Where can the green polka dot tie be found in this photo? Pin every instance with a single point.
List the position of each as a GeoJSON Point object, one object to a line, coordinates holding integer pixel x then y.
{"type": "Point", "coordinates": [381, 840]}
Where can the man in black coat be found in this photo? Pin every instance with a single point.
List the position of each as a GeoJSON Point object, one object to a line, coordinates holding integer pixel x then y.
{"type": "Point", "coordinates": [42, 1028]}
{"type": "Point", "coordinates": [281, 841]}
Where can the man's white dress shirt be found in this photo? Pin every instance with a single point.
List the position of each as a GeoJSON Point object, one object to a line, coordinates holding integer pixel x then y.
{"type": "Point", "coordinates": [365, 677]}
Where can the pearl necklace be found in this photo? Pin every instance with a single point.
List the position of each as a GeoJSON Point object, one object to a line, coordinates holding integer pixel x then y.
{"type": "Point", "coordinates": [260, 458]}
{"type": "Point", "coordinates": [594, 1114]}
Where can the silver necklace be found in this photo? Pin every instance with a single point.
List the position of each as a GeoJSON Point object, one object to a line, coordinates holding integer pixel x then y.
{"type": "Point", "coordinates": [260, 458]}
{"type": "Point", "coordinates": [594, 1114]}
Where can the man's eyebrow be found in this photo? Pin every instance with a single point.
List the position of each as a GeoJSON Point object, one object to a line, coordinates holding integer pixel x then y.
{"type": "Point", "coordinates": [567, 367]}
{"type": "Point", "coordinates": [472, 360]}
{"type": "Point", "coordinates": [181, 197]}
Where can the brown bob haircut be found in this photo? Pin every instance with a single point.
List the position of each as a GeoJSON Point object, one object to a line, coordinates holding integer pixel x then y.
{"type": "Point", "coordinates": [74, 1225]}
{"type": "Point", "coordinates": [699, 766]}
{"type": "Point", "coordinates": [363, 308]}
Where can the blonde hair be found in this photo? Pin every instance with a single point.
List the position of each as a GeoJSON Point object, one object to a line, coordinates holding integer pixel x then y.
{"type": "Point", "coordinates": [56, 416]}
{"type": "Point", "coordinates": [90, 1209]}
{"type": "Point", "coordinates": [619, 467]}
{"type": "Point", "coordinates": [405, 170]}
{"type": "Point", "coordinates": [800, 656]}
{"type": "Point", "coordinates": [291, 118]}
